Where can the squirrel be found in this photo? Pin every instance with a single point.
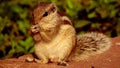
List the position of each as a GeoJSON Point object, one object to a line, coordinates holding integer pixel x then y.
{"type": "Point", "coordinates": [56, 40]}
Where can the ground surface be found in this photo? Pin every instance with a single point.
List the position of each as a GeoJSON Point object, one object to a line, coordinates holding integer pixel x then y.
{"type": "Point", "coordinates": [109, 59]}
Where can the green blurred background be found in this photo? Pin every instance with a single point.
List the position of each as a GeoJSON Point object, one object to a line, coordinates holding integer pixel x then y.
{"type": "Point", "coordinates": [86, 15]}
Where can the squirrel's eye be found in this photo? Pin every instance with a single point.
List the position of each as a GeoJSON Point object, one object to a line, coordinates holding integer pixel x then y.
{"type": "Point", "coordinates": [45, 14]}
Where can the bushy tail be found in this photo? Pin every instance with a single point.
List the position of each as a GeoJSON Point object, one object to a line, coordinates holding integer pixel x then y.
{"type": "Point", "coordinates": [90, 44]}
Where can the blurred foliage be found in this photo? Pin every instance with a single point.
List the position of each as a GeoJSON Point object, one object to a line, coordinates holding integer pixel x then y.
{"type": "Point", "coordinates": [87, 15]}
{"type": "Point", "coordinates": [15, 38]}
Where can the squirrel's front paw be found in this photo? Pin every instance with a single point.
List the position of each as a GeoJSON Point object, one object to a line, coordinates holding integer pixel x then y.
{"type": "Point", "coordinates": [35, 28]}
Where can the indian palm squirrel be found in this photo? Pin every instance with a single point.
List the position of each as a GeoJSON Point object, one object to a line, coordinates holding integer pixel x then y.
{"type": "Point", "coordinates": [56, 40]}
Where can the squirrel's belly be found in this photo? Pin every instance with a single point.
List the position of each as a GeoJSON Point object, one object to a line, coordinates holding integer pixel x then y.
{"type": "Point", "coordinates": [63, 43]}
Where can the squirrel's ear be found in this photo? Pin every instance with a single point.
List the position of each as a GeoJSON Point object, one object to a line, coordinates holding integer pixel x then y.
{"type": "Point", "coordinates": [53, 7]}
{"type": "Point", "coordinates": [53, 4]}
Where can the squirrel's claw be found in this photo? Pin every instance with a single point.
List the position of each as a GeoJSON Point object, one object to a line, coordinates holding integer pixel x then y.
{"type": "Point", "coordinates": [63, 63]}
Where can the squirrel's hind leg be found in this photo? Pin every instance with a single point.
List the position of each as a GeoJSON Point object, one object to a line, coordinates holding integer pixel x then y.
{"type": "Point", "coordinates": [42, 59]}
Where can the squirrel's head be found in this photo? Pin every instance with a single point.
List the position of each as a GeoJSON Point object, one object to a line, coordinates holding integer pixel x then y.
{"type": "Point", "coordinates": [44, 10]}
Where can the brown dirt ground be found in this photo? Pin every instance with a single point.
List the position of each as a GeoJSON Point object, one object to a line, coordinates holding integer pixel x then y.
{"type": "Point", "coordinates": [108, 59]}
